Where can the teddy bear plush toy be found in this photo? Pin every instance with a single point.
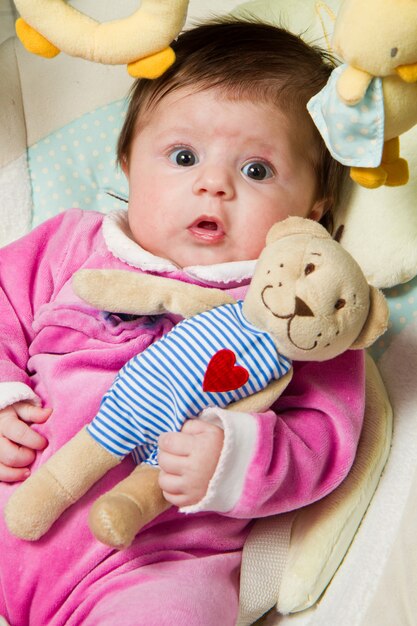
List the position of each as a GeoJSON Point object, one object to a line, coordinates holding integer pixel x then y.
{"type": "Point", "coordinates": [371, 99]}
{"type": "Point", "coordinates": [308, 300]}
{"type": "Point", "coordinates": [142, 40]}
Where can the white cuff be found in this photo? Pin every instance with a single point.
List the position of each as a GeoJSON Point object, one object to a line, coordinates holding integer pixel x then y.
{"type": "Point", "coordinates": [240, 438]}
{"type": "Point", "coordinates": [12, 392]}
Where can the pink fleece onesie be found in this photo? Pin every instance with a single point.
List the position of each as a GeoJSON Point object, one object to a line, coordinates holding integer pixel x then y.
{"type": "Point", "coordinates": [182, 568]}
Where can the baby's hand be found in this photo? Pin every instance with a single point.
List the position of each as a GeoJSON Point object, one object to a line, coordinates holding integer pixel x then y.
{"type": "Point", "coordinates": [18, 441]}
{"type": "Point", "coordinates": [188, 460]}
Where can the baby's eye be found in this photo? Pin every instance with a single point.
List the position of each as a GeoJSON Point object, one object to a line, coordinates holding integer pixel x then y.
{"type": "Point", "coordinates": [183, 157]}
{"type": "Point", "coordinates": [257, 170]}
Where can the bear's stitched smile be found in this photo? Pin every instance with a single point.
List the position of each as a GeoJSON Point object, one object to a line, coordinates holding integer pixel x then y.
{"type": "Point", "coordinates": [301, 309]}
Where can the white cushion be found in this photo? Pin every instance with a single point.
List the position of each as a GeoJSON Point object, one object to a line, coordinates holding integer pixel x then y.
{"type": "Point", "coordinates": [320, 534]}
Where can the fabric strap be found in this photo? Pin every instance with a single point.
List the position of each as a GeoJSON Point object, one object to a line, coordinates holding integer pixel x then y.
{"type": "Point", "coordinates": [264, 559]}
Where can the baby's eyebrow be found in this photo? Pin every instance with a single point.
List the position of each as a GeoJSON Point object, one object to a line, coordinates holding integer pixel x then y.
{"type": "Point", "coordinates": [316, 254]}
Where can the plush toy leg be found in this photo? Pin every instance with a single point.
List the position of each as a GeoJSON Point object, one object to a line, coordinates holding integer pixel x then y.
{"type": "Point", "coordinates": [392, 172]}
{"type": "Point", "coordinates": [116, 517]}
{"type": "Point", "coordinates": [152, 66]}
{"type": "Point", "coordinates": [61, 481]}
{"type": "Point", "coordinates": [34, 41]}
{"type": "Point", "coordinates": [369, 177]}
{"type": "Point", "coordinates": [395, 167]}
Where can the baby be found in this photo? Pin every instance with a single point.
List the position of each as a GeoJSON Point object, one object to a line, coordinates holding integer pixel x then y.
{"type": "Point", "coordinates": [215, 151]}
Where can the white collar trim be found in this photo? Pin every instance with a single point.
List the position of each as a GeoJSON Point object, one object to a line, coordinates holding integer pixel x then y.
{"type": "Point", "coordinates": [119, 241]}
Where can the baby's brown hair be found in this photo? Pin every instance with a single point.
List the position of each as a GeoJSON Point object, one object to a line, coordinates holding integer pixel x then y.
{"type": "Point", "coordinates": [246, 60]}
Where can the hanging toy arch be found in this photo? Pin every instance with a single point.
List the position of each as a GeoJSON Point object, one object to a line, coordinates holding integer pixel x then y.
{"type": "Point", "coordinates": [141, 40]}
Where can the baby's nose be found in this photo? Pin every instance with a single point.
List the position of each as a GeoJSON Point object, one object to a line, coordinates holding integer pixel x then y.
{"type": "Point", "coordinates": [215, 181]}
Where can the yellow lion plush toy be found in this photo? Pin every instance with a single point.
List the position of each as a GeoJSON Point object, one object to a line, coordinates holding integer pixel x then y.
{"type": "Point", "coordinates": [142, 40]}
{"type": "Point", "coordinates": [371, 99]}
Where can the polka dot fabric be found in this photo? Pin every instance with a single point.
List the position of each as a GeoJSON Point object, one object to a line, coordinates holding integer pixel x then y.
{"type": "Point", "coordinates": [75, 166]}
{"type": "Point", "coordinates": [402, 301]}
{"type": "Point", "coordinates": [354, 135]}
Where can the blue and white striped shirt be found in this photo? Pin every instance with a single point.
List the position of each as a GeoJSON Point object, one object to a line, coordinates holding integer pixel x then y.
{"type": "Point", "coordinates": [157, 390]}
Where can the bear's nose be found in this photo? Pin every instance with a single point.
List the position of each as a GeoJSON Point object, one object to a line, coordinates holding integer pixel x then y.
{"type": "Point", "coordinates": [302, 309]}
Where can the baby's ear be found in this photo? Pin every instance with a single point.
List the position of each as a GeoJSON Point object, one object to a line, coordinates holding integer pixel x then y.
{"type": "Point", "coordinates": [296, 226]}
{"type": "Point", "coordinates": [376, 323]}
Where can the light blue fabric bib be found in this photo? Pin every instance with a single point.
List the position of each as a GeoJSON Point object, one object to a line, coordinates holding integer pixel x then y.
{"type": "Point", "coordinates": [354, 135]}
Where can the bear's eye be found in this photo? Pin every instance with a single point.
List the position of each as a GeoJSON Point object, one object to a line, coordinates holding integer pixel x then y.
{"type": "Point", "coordinates": [340, 304]}
{"type": "Point", "coordinates": [309, 268]}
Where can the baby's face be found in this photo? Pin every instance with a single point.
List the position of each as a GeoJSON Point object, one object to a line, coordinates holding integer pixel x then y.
{"type": "Point", "coordinates": [209, 176]}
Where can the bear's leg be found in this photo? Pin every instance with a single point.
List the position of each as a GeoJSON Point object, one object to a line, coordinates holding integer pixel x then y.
{"type": "Point", "coordinates": [117, 516]}
{"type": "Point", "coordinates": [60, 482]}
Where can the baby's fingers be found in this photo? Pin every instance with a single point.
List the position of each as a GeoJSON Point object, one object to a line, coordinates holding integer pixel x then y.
{"type": "Point", "coordinates": [20, 433]}
{"type": "Point", "coordinates": [31, 413]}
{"type": "Point", "coordinates": [13, 474]}
{"type": "Point", "coordinates": [172, 485]}
{"type": "Point", "coordinates": [179, 444]}
{"type": "Point", "coordinates": [14, 456]}
{"type": "Point", "coordinates": [174, 490]}
{"type": "Point", "coordinates": [171, 463]}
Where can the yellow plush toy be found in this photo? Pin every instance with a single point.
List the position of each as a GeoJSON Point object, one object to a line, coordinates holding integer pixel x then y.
{"type": "Point", "coordinates": [142, 40]}
{"type": "Point", "coordinates": [308, 300]}
{"type": "Point", "coordinates": [371, 99]}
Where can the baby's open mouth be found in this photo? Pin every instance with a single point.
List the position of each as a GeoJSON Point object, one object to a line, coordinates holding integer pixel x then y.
{"type": "Point", "coordinates": [207, 229]}
{"type": "Point", "coordinates": [206, 225]}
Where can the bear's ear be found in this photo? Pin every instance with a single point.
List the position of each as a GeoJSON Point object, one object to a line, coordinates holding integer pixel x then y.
{"type": "Point", "coordinates": [376, 323]}
{"type": "Point", "coordinates": [296, 226]}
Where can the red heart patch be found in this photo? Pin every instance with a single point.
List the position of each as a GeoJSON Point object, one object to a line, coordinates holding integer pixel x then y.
{"type": "Point", "coordinates": [222, 374]}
